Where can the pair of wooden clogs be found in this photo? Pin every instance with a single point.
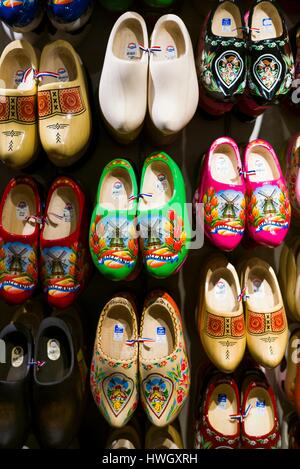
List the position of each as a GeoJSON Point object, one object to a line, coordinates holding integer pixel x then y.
{"type": "Point", "coordinates": [149, 362]}
{"type": "Point", "coordinates": [223, 328]}
{"type": "Point", "coordinates": [45, 101]}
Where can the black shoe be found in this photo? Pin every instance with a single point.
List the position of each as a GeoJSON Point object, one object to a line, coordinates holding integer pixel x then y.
{"type": "Point", "coordinates": [58, 385]}
{"type": "Point", "coordinates": [271, 63]}
{"type": "Point", "coordinates": [222, 53]}
{"type": "Point", "coordinates": [16, 350]}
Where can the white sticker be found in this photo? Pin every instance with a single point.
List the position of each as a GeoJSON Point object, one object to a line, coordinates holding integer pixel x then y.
{"type": "Point", "coordinates": [19, 77]}
{"type": "Point", "coordinates": [63, 74]}
{"type": "Point", "coordinates": [117, 190]}
{"type": "Point", "coordinates": [259, 165]}
{"type": "Point", "coordinates": [267, 23]}
{"type": "Point", "coordinates": [222, 401]}
{"type": "Point", "coordinates": [68, 213]}
{"type": "Point", "coordinates": [171, 52]}
{"type": "Point", "coordinates": [17, 357]}
{"type": "Point", "coordinates": [22, 210]}
{"type": "Point", "coordinates": [161, 335]}
{"type": "Point", "coordinates": [226, 25]}
{"type": "Point", "coordinates": [118, 332]}
{"type": "Point", "coordinates": [131, 50]}
{"type": "Point", "coordinates": [162, 184]}
{"type": "Point", "coordinates": [260, 406]}
{"type": "Point", "coordinates": [53, 349]}
{"type": "Point", "coordinates": [258, 287]}
{"type": "Point", "coordinates": [220, 288]}
{"type": "Point", "coordinates": [222, 165]}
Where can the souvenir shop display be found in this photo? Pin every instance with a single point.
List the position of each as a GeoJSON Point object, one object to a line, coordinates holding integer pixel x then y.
{"type": "Point", "coordinates": [149, 225]}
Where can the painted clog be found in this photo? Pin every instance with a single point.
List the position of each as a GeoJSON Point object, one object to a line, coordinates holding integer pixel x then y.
{"type": "Point", "coordinates": [292, 174]}
{"type": "Point", "coordinates": [22, 15]}
{"type": "Point", "coordinates": [20, 212]}
{"type": "Point", "coordinates": [69, 15]}
{"type": "Point", "coordinates": [63, 107]}
{"type": "Point", "coordinates": [162, 216]}
{"type": "Point", "coordinates": [18, 115]}
{"type": "Point", "coordinates": [64, 254]}
{"type": "Point", "coordinates": [173, 88]}
{"type": "Point", "coordinates": [113, 237]}
{"type": "Point", "coordinates": [114, 369]}
{"type": "Point", "coordinates": [222, 191]}
{"type": "Point", "coordinates": [123, 83]}
{"type": "Point", "coordinates": [266, 323]}
{"type": "Point", "coordinates": [222, 50]}
{"type": "Point", "coordinates": [163, 360]}
{"type": "Point", "coordinates": [292, 378]}
{"type": "Point", "coordinates": [268, 206]}
{"type": "Point", "coordinates": [219, 403]}
{"type": "Point", "coordinates": [220, 315]}
{"type": "Point", "coordinates": [260, 424]}
{"type": "Point", "coordinates": [271, 63]}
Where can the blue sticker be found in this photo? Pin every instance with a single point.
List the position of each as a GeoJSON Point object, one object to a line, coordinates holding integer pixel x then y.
{"type": "Point", "coordinates": [226, 21]}
{"type": "Point", "coordinates": [267, 22]}
{"type": "Point", "coordinates": [118, 332]}
{"type": "Point", "coordinates": [161, 331]}
{"type": "Point", "coordinates": [222, 400]}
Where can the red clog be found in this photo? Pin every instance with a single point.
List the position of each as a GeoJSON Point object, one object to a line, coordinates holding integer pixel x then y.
{"type": "Point", "coordinates": [217, 426]}
{"type": "Point", "coordinates": [20, 212]}
{"type": "Point", "coordinates": [260, 424]}
{"type": "Point", "coordinates": [65, 260]}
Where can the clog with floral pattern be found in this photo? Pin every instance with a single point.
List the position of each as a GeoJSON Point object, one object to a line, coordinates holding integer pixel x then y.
{"type": "Point", "coordinates": [266, 322]}
{"type": "Point", "coordinates": [113, 237]}
{"type": "Point", "coordinates": [163, 361]}
{"type": "Point", "coordinates": [20, 212]}
{"type": "Point", "coordinates": [260, 423]}
{"type": "Point", "coordinates": [222, 191]}
{"type": "Point", "coordinates": [65, 263]}
{"type": "Point", "coordinates": [219, 404]}
{"type": "Point", "coordinates": [268, 206]}
{"type": "Point", "coordinates": [163, 216]}
{"type": "Point", "coordinates": [114, 369]}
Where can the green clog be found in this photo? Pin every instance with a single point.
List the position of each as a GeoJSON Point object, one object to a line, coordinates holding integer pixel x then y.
{"type": "Point", "coordinates": [159, 3]}
{"type": "Point", "coordinates": [116, 5]}
{"type": "Point", "coordinates": [163, 216]}
{"type": "Point", "coordinates": [113, 241]}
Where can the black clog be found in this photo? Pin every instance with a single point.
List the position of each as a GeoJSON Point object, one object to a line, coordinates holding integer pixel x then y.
{"type": "Point", "coordinates": [58, 383]}
{"type": "Point", "coordinates": [271, 64]}
{"type": "Point", "coordinates": [16, 350]}
{"type": "Point", "coordinates": [222, 53]}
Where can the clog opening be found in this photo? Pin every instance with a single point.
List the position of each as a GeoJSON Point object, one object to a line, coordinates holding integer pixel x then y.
{"type": "Point", "coordinates": [18, 207]}
{"type": "Point", "coordinates": [158, 325]}
{"type": "Point", "coordinates": [130, 34]}
{"type": "Point", "coordinates": [116, 190]}
{"type": "Point", "coordinates": [222, 405]}
{"type": "Point", "coordinates": [227, 21]}
{"type": "Point", "coordinates": [62, 214]}
{"type": "Point", "coordinates": [266, 22]}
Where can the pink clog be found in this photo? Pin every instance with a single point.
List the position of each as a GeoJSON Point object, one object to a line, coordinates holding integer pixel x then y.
{"type": "Point", "coordinates": [222, 191]}
{"type": "Point", "coordinates": [268, 206]}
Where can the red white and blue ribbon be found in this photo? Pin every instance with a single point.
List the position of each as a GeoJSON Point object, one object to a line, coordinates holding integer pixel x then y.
{"type": "Point", "coordinates": [241, 417]}
{"type": "Point", "coordinates": [150, 50]}
{"type": "Point", "coordinates": [141, 340]}
{"type": "Point", "coordinates": [243, 173]}
{"type": "Point", "coordinates": [41, 75]}
{"type": "Point", "coordinates": [243, 296]}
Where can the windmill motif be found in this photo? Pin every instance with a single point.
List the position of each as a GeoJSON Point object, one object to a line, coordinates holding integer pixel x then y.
{"type": "Point", "coordinates": [153, 229]}
{"type": "Point", "coordinates": [269, 204]}
{"type": "Point", "coordinates": [117, 233]}
{"type": "Point", "coordinates": [230, 209]}
{"type": "Point", "coordinates": [58, 265]}
{"type": "Point", "coordinates": [16, 261]}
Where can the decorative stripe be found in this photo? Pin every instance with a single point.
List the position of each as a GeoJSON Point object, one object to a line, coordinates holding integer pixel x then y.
{"type": "Point", "coordinates": [18, 109]}
{"type": "Point", "coordinates": [224, 326]}
{"type": "Point", "coordinates": [60, 102]}
{"type": "Point", "coordinates": [266, 323]}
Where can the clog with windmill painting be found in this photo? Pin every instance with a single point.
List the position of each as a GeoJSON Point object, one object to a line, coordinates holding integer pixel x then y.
{"type": "Point", "coordinates": [63, 106]}
{"type": "Point", "coordinates": [268, 206]}
{"type": "Point", "coordinates": [113, 237]}
{"type": "Point", "coordinates": [162, 215]}
{"type": "Point", "coordinates": [222, 191]}
{"type": "Point", "coordinates": [64, 254]}
{"type": "Point", "coordinates": [20, 212]}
